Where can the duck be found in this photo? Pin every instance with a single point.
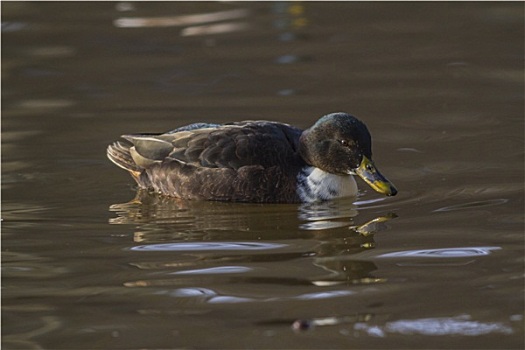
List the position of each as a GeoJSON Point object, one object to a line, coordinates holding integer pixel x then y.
{"type": "Point", "coordinates": [254, 161]}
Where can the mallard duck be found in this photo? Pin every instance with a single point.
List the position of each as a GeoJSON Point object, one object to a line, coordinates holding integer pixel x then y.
{"type": "Point", "coordinates": [254, 161]}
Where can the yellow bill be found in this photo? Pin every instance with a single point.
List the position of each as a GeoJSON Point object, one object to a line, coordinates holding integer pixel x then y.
{"type": "Point", "coordinates": [368, 172]}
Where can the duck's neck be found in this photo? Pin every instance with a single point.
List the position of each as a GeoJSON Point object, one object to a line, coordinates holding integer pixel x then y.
{"type": "Point", "coordinates": [314, 184]}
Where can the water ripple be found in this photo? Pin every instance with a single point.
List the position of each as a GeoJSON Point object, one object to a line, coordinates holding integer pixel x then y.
{"type": "Point", "coordinates": [212, 297]}
{"type": "Point", "coordinates": [323, 225]}
{"type": "Point", "coordinates": [214, 270]}
{"type": "Point", "coordinates": [459, 325]}
{"type": "Point", "coordinates": [200, 246]}
{"type": "Point", "coordinates": [476, 204]}
{"type": "Point", "coordinates": [324, 295]}
{"type": "Point", "coordinates": [442, 253]}
{"type": "Point", "coordinates": [191, 292]}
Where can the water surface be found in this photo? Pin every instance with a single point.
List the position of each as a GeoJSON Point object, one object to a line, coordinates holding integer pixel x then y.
{"type": "Point", "coordinates": [89, 262]}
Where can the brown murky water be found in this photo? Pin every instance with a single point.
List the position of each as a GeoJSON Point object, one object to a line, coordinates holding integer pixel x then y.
{"type": "Point", "coordinates": [440, 86]}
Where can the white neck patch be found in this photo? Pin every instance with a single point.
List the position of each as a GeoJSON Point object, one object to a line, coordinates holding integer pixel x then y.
{"type": "Point", "coordinates": [314, 184]}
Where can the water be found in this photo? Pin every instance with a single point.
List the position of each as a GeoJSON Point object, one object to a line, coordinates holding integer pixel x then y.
{"type": "Point", "coordinates": [440, 86]}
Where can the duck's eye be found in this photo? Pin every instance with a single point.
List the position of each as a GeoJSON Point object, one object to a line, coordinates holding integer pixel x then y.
{"type": "Point", "coordinates": [344, 143]}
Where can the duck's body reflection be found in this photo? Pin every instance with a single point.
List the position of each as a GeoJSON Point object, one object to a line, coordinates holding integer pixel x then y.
{"type": "Point", "coordinates": [327, 233]}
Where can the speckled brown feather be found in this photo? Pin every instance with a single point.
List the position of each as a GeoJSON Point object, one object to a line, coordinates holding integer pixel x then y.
{"type": "Point", "coordinates": [246, 162]}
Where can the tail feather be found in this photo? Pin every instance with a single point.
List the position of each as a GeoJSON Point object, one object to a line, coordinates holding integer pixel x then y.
{"type": "Point", "coordinates": [119, 153]}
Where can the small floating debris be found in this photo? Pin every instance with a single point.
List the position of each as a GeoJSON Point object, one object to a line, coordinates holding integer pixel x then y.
{"type": "Point", "coordinates": [302, 325]}
{"type": "Point", "coordinates": [308, 324]}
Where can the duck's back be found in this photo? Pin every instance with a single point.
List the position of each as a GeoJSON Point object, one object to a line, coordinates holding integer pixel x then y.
{"type": "Point", "coordinates": [253, 161]}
